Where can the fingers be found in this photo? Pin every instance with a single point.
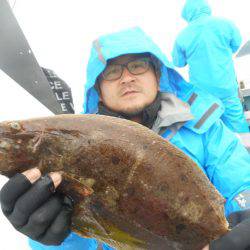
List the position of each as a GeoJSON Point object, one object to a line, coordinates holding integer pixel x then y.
{"type": "Point", "coordinates": [32, 174]}
{"type": "Point", "coordinates": [32, 199]}
{"type": "Point", "coordinates": [237, 217]}
{"type": "Point", "coordinates": [206, 247]}
{"type": "Point", "coordinates": [35, 209]}
{"type": "Point", "coordinates": [15, 187]}
{"type": "Point", "coordinates": [26, 192]}
{"type": "Point", "coordinates": [234, 219]}
{"type": "Point", "coordinates": [59, 229]}
{"type": "Point", "coordinates": [237, 238]}
{"type": "Point", "coordinates": [42, 218]}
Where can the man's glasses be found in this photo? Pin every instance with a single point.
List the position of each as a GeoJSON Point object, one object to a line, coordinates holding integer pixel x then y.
{"type": "Point", "coordinates": [136, 67]}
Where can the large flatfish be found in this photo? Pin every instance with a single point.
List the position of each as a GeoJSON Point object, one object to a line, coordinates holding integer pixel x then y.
{"type": "Point", "coordinates": [132, 188]}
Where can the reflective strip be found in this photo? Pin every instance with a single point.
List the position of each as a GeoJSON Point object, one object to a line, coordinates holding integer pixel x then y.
{"type": "Point", "coordinates": [174, 129]}
{"type": "Point", "coordinates": [98, 48]}
{"type": "Point", "coordinates": [192, 98]}
{"type": "Point", "coordinates": [171, 135]}
{"type": "Point", "coordinates": [206, 115]}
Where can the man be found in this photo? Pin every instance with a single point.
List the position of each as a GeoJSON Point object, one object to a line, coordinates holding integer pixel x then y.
{"type": "Point", "coordinates": [129, 77]}
{"type": "Point", "coordinates": [207, 45]}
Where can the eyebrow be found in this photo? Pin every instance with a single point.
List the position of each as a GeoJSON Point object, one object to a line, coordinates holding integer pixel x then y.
{"type": "Point", "coordinates": [132, 58]}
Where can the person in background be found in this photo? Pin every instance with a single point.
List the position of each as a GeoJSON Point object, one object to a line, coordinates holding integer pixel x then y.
{"type": "Point", "coordinates": [206, 45]}
{"type": "Point", "coordinates": [129, 77]}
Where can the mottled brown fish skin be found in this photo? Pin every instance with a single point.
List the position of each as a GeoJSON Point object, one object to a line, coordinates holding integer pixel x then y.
{"type": "Point", "coordinates": [133, 189]}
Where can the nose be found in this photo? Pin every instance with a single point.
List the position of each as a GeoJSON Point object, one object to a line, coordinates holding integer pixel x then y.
{"type": "Point", "coordinates": [127, 76]}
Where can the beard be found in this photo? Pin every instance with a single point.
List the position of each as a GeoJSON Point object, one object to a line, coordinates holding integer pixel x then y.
{"type": "Point", "coordinates": [130, 107]}
{"type": "Point", "coordinates": [131, 112]}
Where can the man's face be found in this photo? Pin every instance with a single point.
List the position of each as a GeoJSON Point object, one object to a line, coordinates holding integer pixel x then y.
{"type": "Point", "coordinates": [129, 94]}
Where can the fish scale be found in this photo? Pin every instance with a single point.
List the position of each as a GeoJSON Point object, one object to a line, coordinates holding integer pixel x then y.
{"type": "Point", "coordinates": [132, 189]}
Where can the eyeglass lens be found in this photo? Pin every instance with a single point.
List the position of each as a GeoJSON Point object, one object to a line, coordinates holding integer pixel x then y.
{"type": "Point", "coordinates": [136, 67]}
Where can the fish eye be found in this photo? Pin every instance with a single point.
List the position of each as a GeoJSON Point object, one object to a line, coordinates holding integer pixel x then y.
{"type": "Point", "coordinates": [15, 126]}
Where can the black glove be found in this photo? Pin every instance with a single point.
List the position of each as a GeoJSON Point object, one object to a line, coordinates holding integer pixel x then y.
{"type": "Point", "coordinates": [36, 210]}
{"type": "Point", "coordinates": [239, 237]}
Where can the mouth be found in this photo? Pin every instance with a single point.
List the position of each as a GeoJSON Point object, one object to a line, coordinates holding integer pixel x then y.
{"type": "Point", "coordinates": [129, 92]}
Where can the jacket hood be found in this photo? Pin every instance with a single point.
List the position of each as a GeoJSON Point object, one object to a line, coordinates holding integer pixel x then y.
{"type": "Point", "coordinates": [194, 9]}
{"type": "Point", "coordinates": [128, 41]}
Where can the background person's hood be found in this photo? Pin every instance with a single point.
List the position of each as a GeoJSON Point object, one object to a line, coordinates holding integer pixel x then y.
{"type": "Point", "coordinates": [128, 41]}
{"type": "Point", "coordinates": [194, 9]}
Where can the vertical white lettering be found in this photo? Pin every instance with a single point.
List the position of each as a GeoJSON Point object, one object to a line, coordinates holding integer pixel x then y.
{"type": "Point", "coordinates": [52, 85]}
{"type": "Point", "coordinates": [57, 85]}
{"type": "Point", "coordinates": [64, 108]}
{"type": "Point", "coordinates": [58, 97]}
{"type": "Point", "coordinates": [65, 95]}
{"type": "Point", "coordinates": [71, 105]}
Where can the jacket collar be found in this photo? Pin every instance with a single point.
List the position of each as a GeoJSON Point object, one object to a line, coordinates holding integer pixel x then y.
{"type": "Point", "coordinates": [173, 111]}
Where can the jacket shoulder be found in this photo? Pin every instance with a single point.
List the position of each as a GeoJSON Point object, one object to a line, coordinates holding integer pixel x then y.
{"type": "Point", "coordinates": [207, 110]}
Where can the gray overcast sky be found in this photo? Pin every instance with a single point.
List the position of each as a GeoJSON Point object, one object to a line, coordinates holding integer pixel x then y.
{"type": "Point", "coordinates": [60, 33]}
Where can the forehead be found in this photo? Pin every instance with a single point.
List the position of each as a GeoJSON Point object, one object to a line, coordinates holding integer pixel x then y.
{"type": "Point", "coordinates": [125, 58]}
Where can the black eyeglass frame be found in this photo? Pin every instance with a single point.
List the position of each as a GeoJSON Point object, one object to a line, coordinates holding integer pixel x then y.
{"type": "Point", "coordinates": [125, 65]}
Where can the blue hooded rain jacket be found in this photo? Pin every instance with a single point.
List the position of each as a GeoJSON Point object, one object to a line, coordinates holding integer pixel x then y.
{"type": "Point", "coordinates": [207, 45]}
{"type": "Point", "coordinates": [205, 138]}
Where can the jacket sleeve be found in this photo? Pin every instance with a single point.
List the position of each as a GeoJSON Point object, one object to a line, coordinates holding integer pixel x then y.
{"type": "Point", "coordinates": [179, 56]}
{"type": "Point", "coordinates": [227, 164]}
{"type": "Point", "coordinates": [236, 38]}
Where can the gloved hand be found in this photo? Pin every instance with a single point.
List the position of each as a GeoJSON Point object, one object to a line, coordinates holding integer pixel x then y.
{"type": "Point", "coordinates": [35, 209]}
{"type": "Point", "coordinates": [239, 237]}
